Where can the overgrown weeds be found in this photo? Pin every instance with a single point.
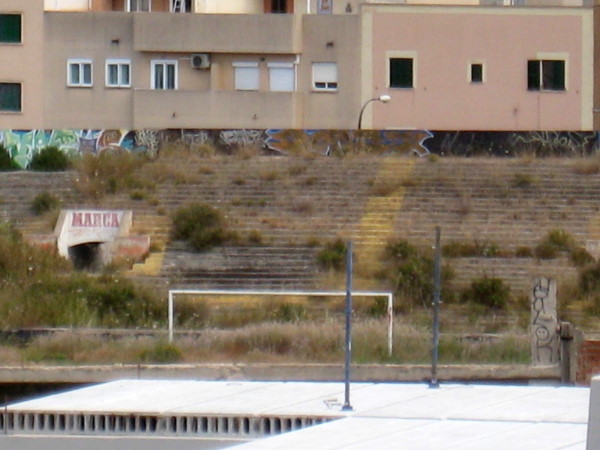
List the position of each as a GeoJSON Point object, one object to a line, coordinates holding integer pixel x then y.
{"type": "Point", "coordinates": [108, 173]}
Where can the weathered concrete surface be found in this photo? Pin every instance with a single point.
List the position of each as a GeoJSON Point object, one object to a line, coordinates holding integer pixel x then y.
{"type": "Point", "coordinates": [269, 372]}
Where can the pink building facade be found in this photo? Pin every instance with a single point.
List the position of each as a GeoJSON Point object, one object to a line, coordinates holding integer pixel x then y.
{"type": "Point", "coordinates": [473, 68]}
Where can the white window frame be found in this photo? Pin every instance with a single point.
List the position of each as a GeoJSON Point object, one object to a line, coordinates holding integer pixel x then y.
{"type": "Point", "coordinates": [120, 63]}
{"type": "Point", "coordinates": [273, 66]}
{"type": "Point", "coordinates": [248, 84]}
{"type": "Point", "coordinates": [325, 76]}
{"type": "Point", "coordinates": [80, 63]}
{"type": "Point", "coordinates": [164, 63]}
{"type": "Point", "coordinates": [128, 4]}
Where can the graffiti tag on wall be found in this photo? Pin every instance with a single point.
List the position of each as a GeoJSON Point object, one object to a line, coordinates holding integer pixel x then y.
{"type": "Point", "coordinates": [24, 144]}
{"type": "Point", "coordinates": [544, 323]}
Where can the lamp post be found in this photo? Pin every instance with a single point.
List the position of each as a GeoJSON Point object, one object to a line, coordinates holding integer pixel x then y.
{"type": "Point", "coordinates": [384, 98]}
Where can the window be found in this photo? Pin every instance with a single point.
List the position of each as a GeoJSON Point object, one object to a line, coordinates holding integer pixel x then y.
{"type": "Point", "coordinates": [476, 74]}
{"type": "Point", "coordinates": [325, 77]}
{"type": "Point", "coordinates": [164, 74]}
{"type": "Point", "coordinates": [546, 75]}
{"type": "Point", "coordinates": [10, 97]}
{"type": "Point", "coordinates": [282, 77]}
{"type": "Point", "coordinates": [401, 72]}
{"type": "Point", "coordinates": [246, 76]}
{"type": "Point", "coordinates": [79, 72]}
{"type": "Point", "coordinates": [10, 28]}
{"type": "Point", "coordinates": [118, 73]}
{"type": "Point", "coordinates": [278, 6]}
{"type": "Point", "coordinates": [181, 5]}
{"type": "Point", "coordinates": [139, 5]}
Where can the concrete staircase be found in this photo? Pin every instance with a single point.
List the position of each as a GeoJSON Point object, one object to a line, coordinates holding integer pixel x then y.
{"type": "Point", "coordinates": [294, 205]}
{"type": "Point", "coordinates": [378, 222]}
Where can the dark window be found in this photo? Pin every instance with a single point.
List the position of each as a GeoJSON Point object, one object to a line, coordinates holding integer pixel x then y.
{"type": "Point", "coordinates": [278, 6]}
{"type": "Point", "coordinates": [10, 28]}
{"type": "Point", "coordinates": [546, 75]}
{"type": "Point", "coordinates": [10, 97]}
{"type": "Point", "coordinates": [476, 73]}
{"type": "Point", "coordinates": [401, 72]}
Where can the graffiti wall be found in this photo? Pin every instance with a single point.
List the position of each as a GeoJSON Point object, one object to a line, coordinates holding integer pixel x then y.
{"type": "Point", "coordinates": [22, 145]}
{"type": "Point", "coordinates": [544, 323]}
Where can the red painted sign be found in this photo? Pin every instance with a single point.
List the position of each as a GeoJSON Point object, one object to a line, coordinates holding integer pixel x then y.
{"type": "Point", "coordinates": [95, 219]}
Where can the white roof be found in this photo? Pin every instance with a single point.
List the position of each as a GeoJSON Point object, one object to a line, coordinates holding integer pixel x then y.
{"type": "Point", "coordinates": [384, 416]}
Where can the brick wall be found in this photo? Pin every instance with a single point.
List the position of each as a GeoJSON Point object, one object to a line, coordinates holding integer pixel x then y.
{"type": "Point", "coordinates": [588, 361]}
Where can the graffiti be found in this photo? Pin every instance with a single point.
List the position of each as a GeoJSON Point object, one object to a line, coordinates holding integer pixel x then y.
{"type": "Point", "coordinates": [544, 322]}
{"type": "Point", "coordinates": [23, 145]}
{"type": "Point", "coordinates": [242, 137]}
{"type": "Point", "coordinates": [552, 143]}
{"type": "Point", "coordinates": [511, 144]}
{"type": "Point", "coordinates": [148, 142]}
{"type": "Point", "coordinates": [339, 142]}
{"type": "Point", "coordinates": [194, 137]}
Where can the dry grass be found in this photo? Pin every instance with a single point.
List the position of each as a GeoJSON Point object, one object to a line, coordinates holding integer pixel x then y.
{"type": "Point", "coordinates": [272, 342]}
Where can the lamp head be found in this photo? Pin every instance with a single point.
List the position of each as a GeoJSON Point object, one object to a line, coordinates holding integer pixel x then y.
{"type": "Point", "coordinates": [384, 98]}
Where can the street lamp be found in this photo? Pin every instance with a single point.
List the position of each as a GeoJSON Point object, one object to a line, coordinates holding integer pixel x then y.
{"type": "Point", "coordinates": [384, 98]}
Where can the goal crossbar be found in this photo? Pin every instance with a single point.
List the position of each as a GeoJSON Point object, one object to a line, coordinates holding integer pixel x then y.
{"type": "Point", "coordinates": [234, 292]}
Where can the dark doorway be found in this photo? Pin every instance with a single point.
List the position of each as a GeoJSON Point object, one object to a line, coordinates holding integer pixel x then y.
{"type": "Point", "coordinates": [86, 256]}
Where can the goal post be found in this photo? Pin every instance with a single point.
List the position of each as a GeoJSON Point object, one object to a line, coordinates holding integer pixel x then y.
{"type": "Point", "coordinates": [234, 292]}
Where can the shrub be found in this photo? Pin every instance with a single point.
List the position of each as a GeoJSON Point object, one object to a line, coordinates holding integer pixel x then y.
{"type": "Point", "coordinates": [488, 291]}
{"type": "Point", "coordinates": [290, 312]}
{"type": "Point", "coordinates": [411, 272]}
{"type": "Point", "coordinates": [44, 202]}
{"type": "Point", "coordinates": [50, 159]}
{"type": "Point", "coordinates": [6, 162]}
{"type": "Point", "coordinates": [201, 225]}
{"type": "Point", "coordinates": [553, 243]}
{"type": "Point", "coordinates": [523, 252]}
{"type": "Point", "coordinates": [477, 249]}
{"type": "Point", "coordinates": [546, 251]}
{"type": "Point", "coordinates": [333, 255]}
{"type": "Point", "coordinates": [161, 352]}
{"type": "Point", "coordinates": [589, 280]}
{"type": "Point", "coordinates": [523, 180]}
{"type": "Point", "coordinates": [580, 257]}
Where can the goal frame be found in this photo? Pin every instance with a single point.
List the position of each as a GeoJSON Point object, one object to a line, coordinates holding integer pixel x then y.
{"type": "Point", "coordinates": [234, 292]}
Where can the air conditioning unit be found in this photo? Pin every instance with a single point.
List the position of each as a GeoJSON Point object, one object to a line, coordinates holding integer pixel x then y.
{"type": "Point", "coordinates": [200, 61]}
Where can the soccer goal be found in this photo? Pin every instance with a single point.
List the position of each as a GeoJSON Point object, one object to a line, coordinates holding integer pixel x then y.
{"type": "Point", "coordinates": [229, 292]}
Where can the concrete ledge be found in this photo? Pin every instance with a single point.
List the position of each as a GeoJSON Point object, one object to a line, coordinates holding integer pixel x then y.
{"type": "Point", "coordinates": [271, 372]}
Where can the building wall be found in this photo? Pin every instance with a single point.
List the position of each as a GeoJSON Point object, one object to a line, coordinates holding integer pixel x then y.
{"type": "Point", "coordinates": [94, 36]}
{"type": "Point", "coordinates": [331, 39]}
{"type": "Point", "coordinates": [23, 63]}
{"type": "Point", "coordinates": [444, 41]}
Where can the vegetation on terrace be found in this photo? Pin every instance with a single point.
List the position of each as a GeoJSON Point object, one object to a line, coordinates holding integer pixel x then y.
{"type": "Point", "coordinates": [535, 214]}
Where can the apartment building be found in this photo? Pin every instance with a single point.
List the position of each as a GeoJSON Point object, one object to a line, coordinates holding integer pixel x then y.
{"type": "Point", "coordinates": [298, 64]}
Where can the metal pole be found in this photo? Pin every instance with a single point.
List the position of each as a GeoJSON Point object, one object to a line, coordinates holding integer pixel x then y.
{"type": "Point", "coordinates": [437, 282]}
{"type": "Point", "coordinates": [347, 406]}
{"type": "Point", "coordinates": [170, 316]}
{"type": "Point", "coordinates": [390, 313]}
{"type": "Point", "coordinates": [362, 110]}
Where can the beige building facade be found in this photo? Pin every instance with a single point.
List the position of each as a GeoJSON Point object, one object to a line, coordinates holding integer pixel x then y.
{"type": "Point", "coordinates": [299, 64]}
